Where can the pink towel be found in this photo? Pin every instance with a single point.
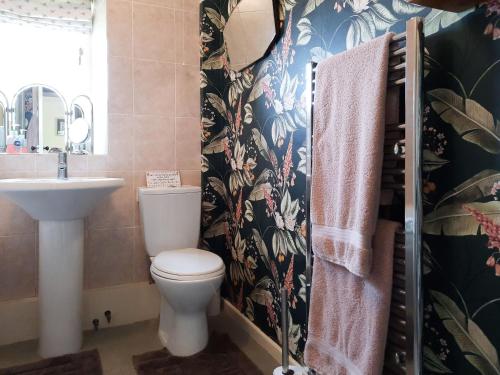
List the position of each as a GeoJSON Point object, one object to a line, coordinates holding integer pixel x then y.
{"type": "Point", "coordinates": [349, 315]}
{"type": "Point", "coordinates": [349, 113]}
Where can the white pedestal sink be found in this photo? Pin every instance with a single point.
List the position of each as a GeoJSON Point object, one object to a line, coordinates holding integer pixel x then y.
{"type": "Point", "coordinates": [60, 206]}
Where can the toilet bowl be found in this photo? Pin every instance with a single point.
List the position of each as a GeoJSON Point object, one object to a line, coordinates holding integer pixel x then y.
{"type": "Point", "coordinates": [187, 278]}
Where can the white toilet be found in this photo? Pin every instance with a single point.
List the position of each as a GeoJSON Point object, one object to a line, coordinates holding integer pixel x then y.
{"type": "Point", "coordinates": [188, 278]}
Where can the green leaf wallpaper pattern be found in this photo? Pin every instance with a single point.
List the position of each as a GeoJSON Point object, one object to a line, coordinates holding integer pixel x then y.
{"type": "Point", "coordinates": [472, 121]}
{"type": "Point", "coordinates": [472, 341]}
{"type": "Point", "coordinates": [253, 163]}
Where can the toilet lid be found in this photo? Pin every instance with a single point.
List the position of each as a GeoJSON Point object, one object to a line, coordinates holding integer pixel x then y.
{"type": "Point", "coordinates": [188, 262]}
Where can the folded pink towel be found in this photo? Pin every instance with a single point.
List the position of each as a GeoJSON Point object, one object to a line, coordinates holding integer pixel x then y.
{"type": "Point", "coordinates": [349, 315]}
{"type": "Point", "coordinates": [349, 113]}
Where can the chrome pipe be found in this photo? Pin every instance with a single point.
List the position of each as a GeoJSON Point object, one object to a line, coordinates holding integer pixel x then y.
{"type": "Point", "coordinates": [393, 171]}
{"type": "Point", "coordinates": [284, 331]}
{"type": "Point", "coordinates": [310, 86]}
{"type": "Point", "coordinates": [399, 37]}
{"type": "Point", "coordinates": [413, 199]}
{"type": "Point", "coordinates": [397, 52]}
{"type": "Point", "coordinates": [397, 68]}
{"type": "Point", "coordinates": [397, 82]}
{"type": "Point", "coordinates": [394, 127]}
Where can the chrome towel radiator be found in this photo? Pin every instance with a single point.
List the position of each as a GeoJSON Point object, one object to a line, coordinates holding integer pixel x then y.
{"type": "Point", "coordinates": [402, 177]}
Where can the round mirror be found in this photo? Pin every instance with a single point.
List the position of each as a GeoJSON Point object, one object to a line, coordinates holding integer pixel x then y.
{"type": "Point", "coordinates": [80, 127]}
{"type": "Point", "coordinates": [39, 121]}
{"type": "Point", "coordinates": [78, 130]}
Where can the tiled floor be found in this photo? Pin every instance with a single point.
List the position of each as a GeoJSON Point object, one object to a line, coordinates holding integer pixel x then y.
{"type": "Point", "coordinates": [116, 347]}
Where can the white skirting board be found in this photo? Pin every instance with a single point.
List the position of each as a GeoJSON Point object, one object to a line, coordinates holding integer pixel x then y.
{"type": "Point", "coordinates": [128, 303]}
{"type": "Point", "coordinates": [260, 348]}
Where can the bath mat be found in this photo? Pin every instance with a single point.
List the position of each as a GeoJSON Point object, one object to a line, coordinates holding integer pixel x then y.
{"type": "Point", "coordinates": [220, 357]}
{"type": "Point", "coordinates": [84, 363]}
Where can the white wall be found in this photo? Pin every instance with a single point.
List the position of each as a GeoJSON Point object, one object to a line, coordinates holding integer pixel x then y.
{"type": "Point", "coordinates": [44, 56]}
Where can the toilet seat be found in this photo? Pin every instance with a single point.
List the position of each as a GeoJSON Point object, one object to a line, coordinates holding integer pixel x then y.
{"type": "Point", "coordinates": [187, 265]}
{"type": "Point", "coordinates": [167, 276]}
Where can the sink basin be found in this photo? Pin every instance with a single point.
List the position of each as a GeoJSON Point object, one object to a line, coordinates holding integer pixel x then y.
{"type": "Point", "coordinates": [60, 206]}
{"type": "Point", "coordinates": [55, 199]}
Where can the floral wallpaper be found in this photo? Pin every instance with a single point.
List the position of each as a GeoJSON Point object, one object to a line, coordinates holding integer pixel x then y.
{"type": "Point", "coordinates": [253, 132]}
{"type": "Point", "coordinates": [461, 192]}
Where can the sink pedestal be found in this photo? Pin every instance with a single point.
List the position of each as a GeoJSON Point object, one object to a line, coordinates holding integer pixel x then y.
{"type": "Point", "coordinates": [60, 286]}
{"type": "Point", "coordinates": [60, 206]}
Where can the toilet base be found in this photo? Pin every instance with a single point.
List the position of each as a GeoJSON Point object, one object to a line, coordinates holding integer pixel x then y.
{"type": "Point", "coordinates": [183, 335]}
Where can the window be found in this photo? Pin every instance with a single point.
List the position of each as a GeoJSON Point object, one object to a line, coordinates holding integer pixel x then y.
{"type": "Point", "coordinates": [53, 51]}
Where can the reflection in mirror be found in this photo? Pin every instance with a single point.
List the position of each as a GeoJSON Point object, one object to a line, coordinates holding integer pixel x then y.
{"type": "Point", "coordinates": [250, 30]}
{"type": "Point", "coordinates": [81, 125]}
{"type": "Point", "coordinates": [3, 121]}
{"type": "Point", "coordinates": [39, 121]}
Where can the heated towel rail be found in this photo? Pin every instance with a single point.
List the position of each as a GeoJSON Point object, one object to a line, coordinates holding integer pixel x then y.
{"type": "Point", "coordinates": [401, 176]}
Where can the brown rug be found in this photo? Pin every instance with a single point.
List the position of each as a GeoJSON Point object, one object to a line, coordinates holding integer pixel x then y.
{"type": "Point", "coordinates": [84, 363]}
{"type": "Point", "coordinates": [221, 357]}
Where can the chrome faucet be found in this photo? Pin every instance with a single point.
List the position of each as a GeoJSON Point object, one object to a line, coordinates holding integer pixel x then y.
{"type": "Point", "coordinates": [62, 165]}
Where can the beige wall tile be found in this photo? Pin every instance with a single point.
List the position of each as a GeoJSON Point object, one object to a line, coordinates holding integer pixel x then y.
{"type": "Point", "coordinates": [175, 4]}
{"type": "Point", "coordinates": [76, 163]}
{"type": "Point", "coordinates": [190, 39]}
{"type": "Point", "coordinates": [109, 257]}
{"type": "Point", "coordinates": [141, 258]}
{"type": "Point", "coordinates": [191, 5]}
{"type": "Point", "coordinates": [46, 162]}
{"type": "Point", "coordinates": [191, 177]}
{"type": "Point", "coordinates": [178, 37]}
{"type": "Point", "coordinates": [120, 85]}
{"type": "Point", "coordinates": [97, 162]}
{"type": "Point", "coordinates": [116, 210]}
{"type": "Point", "coordinates": [187, 91]}
{"type": "Point", "coordinates": [121, 142]}
{"type": "Point", "coordinates": [139, 181]}
{"type": "Point", "coordinates": [154, 28]}
{"type": "Point", "coordinates": [154, 88]}
{"type": "Point", "coordinates": [14, 220]}
{"type": "Point", "coordinates": [19, 162]}
{"type": "Point", "coordinates": [154, 143]}
{"type": "Point", "coordinates": [187, 143]}
{"type": "Point", "coordinates": [18, 267]}
{"type": "Point", "coordinates": [119, 28]}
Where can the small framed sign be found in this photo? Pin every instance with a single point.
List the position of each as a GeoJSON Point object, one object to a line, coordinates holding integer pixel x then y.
{"type": "Point", "coordinates": [163, 179]}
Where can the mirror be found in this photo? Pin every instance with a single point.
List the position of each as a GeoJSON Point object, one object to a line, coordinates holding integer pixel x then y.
{"type": "Point", "coordinates": [3, 121]}
{"type": "Point", "coordinates": [80, 126]}
{"type": "Point", "coordinates": [39, 121]}
{"type": "Point", "coordinates": [249, 32]}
